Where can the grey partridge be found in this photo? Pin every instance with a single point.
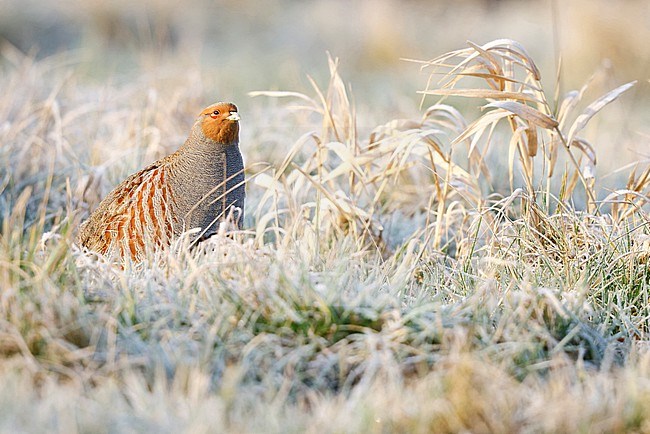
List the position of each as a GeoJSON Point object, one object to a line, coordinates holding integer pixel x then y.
{"type": "Point", "coordinates": [198, 186]}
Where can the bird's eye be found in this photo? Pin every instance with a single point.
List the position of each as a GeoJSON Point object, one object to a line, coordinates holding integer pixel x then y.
{"type": "Point", "coordinates": [214, 114]}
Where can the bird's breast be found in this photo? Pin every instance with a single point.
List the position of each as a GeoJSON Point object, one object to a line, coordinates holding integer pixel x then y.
{"type": "Point", "coordinates": [208, 186]}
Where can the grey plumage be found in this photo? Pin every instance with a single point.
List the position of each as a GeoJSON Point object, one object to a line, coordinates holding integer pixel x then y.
{"type": "Point", "coordinates": [209, 181]}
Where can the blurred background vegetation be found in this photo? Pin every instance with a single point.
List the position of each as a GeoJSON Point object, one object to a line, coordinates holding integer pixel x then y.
{"type": "Point", "coordinates": [223, 50]}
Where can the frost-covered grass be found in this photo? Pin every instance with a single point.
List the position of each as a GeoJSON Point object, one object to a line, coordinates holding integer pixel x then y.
{"type": "Point", "coordinates": [381, 284]}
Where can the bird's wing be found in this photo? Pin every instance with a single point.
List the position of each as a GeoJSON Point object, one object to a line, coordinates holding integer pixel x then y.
{"type": "Point", "coordinates": [136, 213]}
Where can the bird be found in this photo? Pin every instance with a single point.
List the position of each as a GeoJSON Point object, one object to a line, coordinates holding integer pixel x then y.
{"type": "Point", "coordinates": [199, 186]}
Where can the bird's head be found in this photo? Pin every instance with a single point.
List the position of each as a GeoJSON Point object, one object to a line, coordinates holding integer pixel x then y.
{"type": "Point", "coordinates": [220, 122]}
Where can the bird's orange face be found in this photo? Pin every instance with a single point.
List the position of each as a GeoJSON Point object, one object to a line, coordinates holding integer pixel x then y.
{"type": "Point", "coordinates": [220, 122]}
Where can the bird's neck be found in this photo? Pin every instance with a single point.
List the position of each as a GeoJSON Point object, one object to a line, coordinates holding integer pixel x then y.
{"type": "Point", "coordinates": [200, 153]}
{"type": "Point", "coordinates": [198, 142]}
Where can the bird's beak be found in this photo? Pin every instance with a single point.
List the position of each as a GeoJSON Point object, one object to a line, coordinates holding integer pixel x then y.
{"type": "Point", "coordinates": [234, 116]}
